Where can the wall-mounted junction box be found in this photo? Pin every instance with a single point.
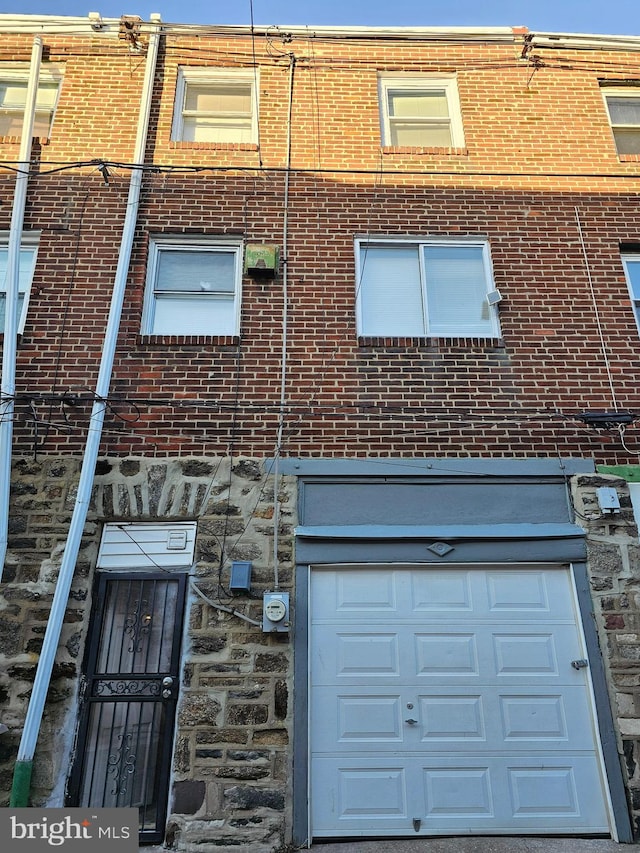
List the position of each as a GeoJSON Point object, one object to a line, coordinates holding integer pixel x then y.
{"type": "Point", "coordinates": [261, 259]}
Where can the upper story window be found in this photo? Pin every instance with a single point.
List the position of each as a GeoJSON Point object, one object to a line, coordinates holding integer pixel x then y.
{"type": "Point", "coordinates": [631, 263]}
{"type": "Point", "coordinates": [420, 111]}
{"type": "Point", "coordinates": [193, 287]}
{"type": "Point", "coordinates": [420, 288]}
{"type": "Point", "coordinates": [214, 105]}
{"type": "Point", "coordinates": [623, 105]}
{"type": "Point", "coordinates": [13, 97]}
{"type": "Point", "coordinates": [27, 263]}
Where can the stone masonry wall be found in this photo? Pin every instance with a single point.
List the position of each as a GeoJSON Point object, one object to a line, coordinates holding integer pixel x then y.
{"type": "Point", "coordinates": [231, 761]}
{"type": "Point", "coordinates": [614, 573]}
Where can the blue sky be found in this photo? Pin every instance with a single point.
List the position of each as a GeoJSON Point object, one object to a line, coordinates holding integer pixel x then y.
{"type": "Point", "coordinates": [618, 17]}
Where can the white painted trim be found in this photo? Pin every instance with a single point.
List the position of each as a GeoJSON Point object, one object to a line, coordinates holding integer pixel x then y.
{"type": "Point", "coordinates": [422, 83]}
{"type": "Point", "coordinates": [187, 243]}
{"type": "Point", "coordinates": [147, 546]}
{"type": "Point", "coordinates": [187, 74]}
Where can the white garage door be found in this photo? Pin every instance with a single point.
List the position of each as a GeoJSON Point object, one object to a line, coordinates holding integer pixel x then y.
{"type": "Point", "coordinates": [444, 701]}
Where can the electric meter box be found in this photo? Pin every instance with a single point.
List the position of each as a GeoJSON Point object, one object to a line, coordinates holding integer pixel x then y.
{"type": "Point", "coordinates": [275, 612]}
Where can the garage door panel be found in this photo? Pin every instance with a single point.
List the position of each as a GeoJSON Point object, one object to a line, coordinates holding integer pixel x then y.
{"type": "Point", "coordinates": [359, 722]}
{"type": "Point", "coordinates": [449, 694]}
{"type": "Point", "coordinates": [494, 653]}
{"type": "Point", "coordinates": [445, 795]}
{"type": "Point", "coordinates": [446, 718]}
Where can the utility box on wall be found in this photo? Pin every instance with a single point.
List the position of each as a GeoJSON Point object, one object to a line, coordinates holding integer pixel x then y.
{"type": "Point", "coordinates": [261, 259]}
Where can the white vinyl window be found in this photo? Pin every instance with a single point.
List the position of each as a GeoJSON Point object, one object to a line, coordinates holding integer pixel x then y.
{"type": "Point", "coordinates": [420, 111]}
{"type": "Point", "coordinates": [27, 263]}
{"type": "Point", "coordinates": [193, 288]}
{"type": "Point", "coordinates": [418, 288]}
{"type": "Point", "coordinates": [215, 106]}
{"type": "Point", "coordinates": [623, 106]}
{"type": "Point", "coordinates": [13, 95]}
{"type": "Point", "coordinates": [631, 263]}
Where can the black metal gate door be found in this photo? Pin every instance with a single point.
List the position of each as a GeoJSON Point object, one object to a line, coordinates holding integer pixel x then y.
{"type": "Point", "coordinates": [125, 735]}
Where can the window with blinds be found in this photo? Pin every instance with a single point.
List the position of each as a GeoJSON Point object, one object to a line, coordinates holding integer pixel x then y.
{"type": "Point", "coordinates": [215, 106]}
{"type": "Point", "coordinates": [13, 97]}
{"type": "Point", "coordinates": [193, 288]}
{"type": "Point", "coordinates": [623, 106]}
{"type": "Point", "coordinates": [420, 288]}
{"type": "Point", "coordinates": [27, 263]}
{"type": "Point", "coordinates": [631, 263]}
{"type": "Point", "coordinates": [420, 111]}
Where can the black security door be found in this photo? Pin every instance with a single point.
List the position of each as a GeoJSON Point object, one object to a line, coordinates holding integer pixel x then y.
{"type": "Point", "coordinates": [127, 714]}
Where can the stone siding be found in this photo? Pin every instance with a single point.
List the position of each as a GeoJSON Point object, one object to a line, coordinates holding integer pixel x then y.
{"type": "Point", "coordinates": [613, 564]}
{"type": "Point", "coordinates": [231, 763]}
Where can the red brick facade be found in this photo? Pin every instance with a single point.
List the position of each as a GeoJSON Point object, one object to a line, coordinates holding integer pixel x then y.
{"type": "Point", "coordinates": [538, 178]}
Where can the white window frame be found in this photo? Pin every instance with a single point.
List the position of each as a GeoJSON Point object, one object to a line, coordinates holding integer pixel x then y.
{"type": "Point", "coordinates": [620, 92]}
{"type": "Point", "coordinates": [413, 83]}
{"type": "Point", "coordinates": [632, 258]}
{"type": "Point", "coordinates": [492, 294]}
{"type": "Point", "coordinates": [28, 256]}
{"type": "Point", "coordinates": [182, 244]}
{"type": "Point", "coordinates": [20, 74]}
{"type": "Point", "coordinates": [213, 76]}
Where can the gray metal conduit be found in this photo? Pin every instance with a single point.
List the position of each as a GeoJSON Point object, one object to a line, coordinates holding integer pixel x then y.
{"type": "Point", "coordinates": [10, 342]}
{"type": "Point", "coordinates": [24, 765]}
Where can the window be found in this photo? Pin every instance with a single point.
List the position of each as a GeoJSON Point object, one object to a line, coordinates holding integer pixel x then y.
{"type": "Point", "coordinates": [193, 288]}
{"type": "Point", "coordinates": [28, 252]}
{"type": "Point", "coordinates": [420, 111]}
{"type": "Point", "coordinates": [631, 263]}
{"type": "Point", "coordinates": [417, 288]}
{"type": "Point", "coordinates": [215, 106]}
{"type": "Point", "coordinates": [13, 96]}
{"type": "Point", "coordinates": [624, 114]}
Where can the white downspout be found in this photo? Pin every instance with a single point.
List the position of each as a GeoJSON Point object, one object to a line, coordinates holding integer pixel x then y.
{"type": "Point", "coordinates": [26, 750]}
{"type": "Point", "coordinates": [10, 343]}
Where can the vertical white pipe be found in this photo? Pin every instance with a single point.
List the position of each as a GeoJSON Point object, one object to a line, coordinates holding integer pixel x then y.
{"type": "Point", "coordinates": [10, 342]}
{"type": "Point", "coordinates": [76, 527]}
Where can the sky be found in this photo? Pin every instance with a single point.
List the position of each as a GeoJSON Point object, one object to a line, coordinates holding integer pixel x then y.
{"type": "Point", "coordinates": [615, 17]}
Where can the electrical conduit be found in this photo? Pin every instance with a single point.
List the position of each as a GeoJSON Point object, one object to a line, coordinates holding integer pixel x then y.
{"type": "Point", "coordinates": [24, 765]}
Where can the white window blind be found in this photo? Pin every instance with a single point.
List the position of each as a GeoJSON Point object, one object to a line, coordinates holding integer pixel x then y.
{"type": "Point", "coordinates": [192, 290]}
{"type": "Point", "coordinates": [624, 114]}
{"type": "Point", "coordinates": [418, 288]}
{"type": "Point", "coordinates": [213, 105]}
{"type": "Point", "coordinates": [631, 264]}
{"type": "Point", "coordinates": [456, 286]}
{"type": "Point", "coordinates": [418, 118]}
{"type": "Point", "coordinates": [391, 295]}
{"type": "Point", "coordinates": [26, 267]}
{"type": "Point", "coordinates": [13, 96]}
{"type": "Point", "coordinates": [420, 111]}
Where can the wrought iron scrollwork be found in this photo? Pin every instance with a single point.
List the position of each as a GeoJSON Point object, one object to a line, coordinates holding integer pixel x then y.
{"type": "Point", "coordinates": [127, 687]}
{"type": "Point", "coordinates": [138, 624]}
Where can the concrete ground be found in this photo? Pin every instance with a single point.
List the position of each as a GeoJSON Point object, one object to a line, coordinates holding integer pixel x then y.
{"type": "Point", "coordinates": [477, 844]}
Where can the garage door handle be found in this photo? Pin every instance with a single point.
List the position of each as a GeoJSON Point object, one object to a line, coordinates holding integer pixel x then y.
{"type": "Point", "coordinates": [579, 664]}
{"type": "Point", "coordinates": [411, 722]}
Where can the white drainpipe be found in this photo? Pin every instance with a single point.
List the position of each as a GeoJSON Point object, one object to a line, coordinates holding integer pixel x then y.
{"type": "Point", "coordinates": [24, 764]}
{"type": "Point", "coordinates": [10, 342]}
